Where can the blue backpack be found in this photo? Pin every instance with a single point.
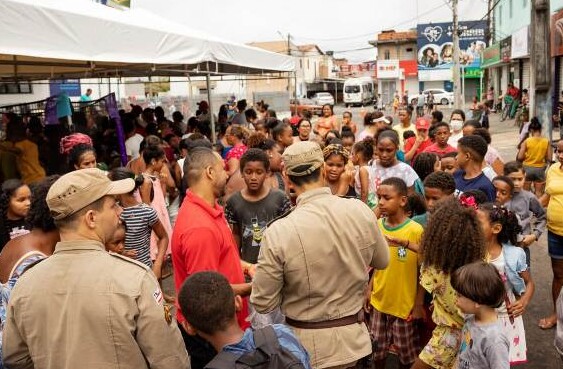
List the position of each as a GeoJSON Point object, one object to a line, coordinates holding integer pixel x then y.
{"type": "Point", "coordinates": [268, 354]}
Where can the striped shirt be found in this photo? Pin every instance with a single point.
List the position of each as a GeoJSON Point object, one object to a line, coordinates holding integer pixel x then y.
{"type": "Point", "coordinates": [139, 220]}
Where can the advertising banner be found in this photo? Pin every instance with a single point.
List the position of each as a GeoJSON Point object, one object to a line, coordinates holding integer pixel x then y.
{"type": "Point", "coordinates": [435, 48]}
{"type": "Point", "coordinates": [506, 49]}
{"type": "Point", "coordinates": [491, 55]}
{"type": "Point", "coordinates": [557, 33]}
{"type": "Point", "coordinates": [70, 86]}
{"type": "Point", "coordinates": [117, 4]}
{"type": "Point", "coordinates": [388, 69]}
{"type": "Point", "coordinates": [519, 44]}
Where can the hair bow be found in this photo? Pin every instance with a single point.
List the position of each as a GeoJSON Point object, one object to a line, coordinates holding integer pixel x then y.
{"type": "Point", "coordinates": [468, 202]}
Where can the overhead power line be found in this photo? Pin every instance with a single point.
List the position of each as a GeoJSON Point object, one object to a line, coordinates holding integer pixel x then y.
{"type": "Point", "coordinates": [374, 32]}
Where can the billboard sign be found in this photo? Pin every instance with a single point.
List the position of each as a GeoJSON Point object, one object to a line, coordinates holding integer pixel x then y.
{"type": "Point", "coordinates": [435, 48]}
{"type": "Point", "coordinates": [491, 56]}
{"type": "Point", "coordinates": [70, 86]}
{"type": "Point", "coordinates": [557, 33]}
{"type": "Point", "coordinates": [519, 46]}
{"type": "Point", "coordinates": [388, 69]}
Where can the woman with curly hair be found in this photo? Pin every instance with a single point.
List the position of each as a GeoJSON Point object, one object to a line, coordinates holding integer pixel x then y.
{"type": "Point", "coordinates": [23, 252]}
{"type": "Point", "coordinates": [445, 247]}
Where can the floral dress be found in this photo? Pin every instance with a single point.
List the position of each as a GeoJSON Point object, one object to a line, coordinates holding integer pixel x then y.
{"type": "Point", "coordinates": [514, 329]}
{"type": "Point", "coordinates": [19, 268]}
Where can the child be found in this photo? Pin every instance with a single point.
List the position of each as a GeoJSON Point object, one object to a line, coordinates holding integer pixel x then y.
{"type": "Point", "coordinates": [448, 163]}
{"type": "Point", "coordinates": [152, 194]}
{"type": "Point", "coordinates": [425, 163]}
{"type": "Point", "coordinates": [480, 291]}
{"type": "Point", "coordinates": [140, 221]}
{"type": "Point", "coordinates": [526, 206]}
{"type": "Point", "coordinates": [445, 249]}
{"type": "Point", "coordinates": [117, 243]}
{"type": "Point", "coordinates": [535, 153]}
{"type": "Point", "coordinates": [500, 227]}
{"type": "Point", "coordinates": [442, 134]}
{"type": "Point", "coordinates": [364, 181]}
{"type": "Point", "coordinates": [387, 165]}
{"type": "Point", "coordinates": [209, 305]}
{"type": "Point", "coordinates": [393, 303]}
{"type": "Point", "coordinates": [15, 201]}
{"type": "Point", "coordinates": [504, 189]}
{"type": "Point", "coordinates": [336, 176]}
{"type": "Point", "coordinates": [471, 151]}
{"type": "Point", "coordinates": [437, 186]}
{"type": "Point", "coordinates": [250, 210]}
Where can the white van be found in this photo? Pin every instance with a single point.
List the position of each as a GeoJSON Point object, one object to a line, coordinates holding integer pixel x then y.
{"type": "Point", "coordinates": [358, 91]}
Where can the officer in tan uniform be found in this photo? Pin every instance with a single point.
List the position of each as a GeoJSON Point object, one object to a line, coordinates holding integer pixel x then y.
{"type": "Point", "coordinates": [314, 264]}
{"type": "Point", "coordinates": [84, 307]}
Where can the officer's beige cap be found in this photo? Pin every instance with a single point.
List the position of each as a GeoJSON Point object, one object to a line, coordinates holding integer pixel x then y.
{"type": "Point", "coordinates": [305, 153]}
{"type": "Point", "coordinates": [76, 190]}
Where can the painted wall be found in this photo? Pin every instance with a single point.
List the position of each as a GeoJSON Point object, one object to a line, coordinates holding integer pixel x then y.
{"type": "Point", "coordinates": [512, 15]}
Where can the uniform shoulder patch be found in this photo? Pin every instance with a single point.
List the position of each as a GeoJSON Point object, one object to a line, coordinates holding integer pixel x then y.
{"type": "Point", "coordinates": [132, 261]}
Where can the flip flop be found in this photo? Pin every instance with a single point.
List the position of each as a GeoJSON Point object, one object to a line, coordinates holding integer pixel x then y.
{"type": "Point", "coordinates": [546, 323]}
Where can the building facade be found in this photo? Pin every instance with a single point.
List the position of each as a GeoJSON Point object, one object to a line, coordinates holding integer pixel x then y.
{"type": "Point", "coordinates": [396, 63]}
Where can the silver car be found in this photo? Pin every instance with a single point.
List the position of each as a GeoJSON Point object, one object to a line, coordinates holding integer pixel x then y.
{"type": "Point", "coordinates": [323, 98]}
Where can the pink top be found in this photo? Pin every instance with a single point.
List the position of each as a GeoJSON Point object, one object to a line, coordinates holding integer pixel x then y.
{"type": "Point", "coordinates": [159, 205]}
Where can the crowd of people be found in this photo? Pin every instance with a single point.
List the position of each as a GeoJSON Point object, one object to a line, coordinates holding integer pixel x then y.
{"type": "Point", "coordinates": [312, 241]}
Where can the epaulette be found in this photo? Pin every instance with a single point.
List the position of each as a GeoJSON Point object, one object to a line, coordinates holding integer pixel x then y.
{"type": "Point", "coordinates": [132, 261]}
{"type": "Point", "coordinates": [280, 217]}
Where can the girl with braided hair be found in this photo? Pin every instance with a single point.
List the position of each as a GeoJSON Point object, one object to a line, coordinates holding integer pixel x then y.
{"type": "Point", "coordinates": [336, 176]}
{"type": "Point", "coordinates": [501, 229]}
{"type": "Point", "coordinates": [446, 247]}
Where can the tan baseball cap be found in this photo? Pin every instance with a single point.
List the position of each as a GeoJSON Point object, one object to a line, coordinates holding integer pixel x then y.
{"type": "Point", "coordinates": [305, 153]}
{"type": "Point", "coordinates": [76, 190]}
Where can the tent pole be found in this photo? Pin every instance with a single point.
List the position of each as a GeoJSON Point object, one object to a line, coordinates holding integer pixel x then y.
{"type": "Point", "coordinates": [211, 120]}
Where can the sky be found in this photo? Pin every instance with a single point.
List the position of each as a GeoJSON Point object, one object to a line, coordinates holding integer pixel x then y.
{"type": "Point", "coordinates": [334, 25]}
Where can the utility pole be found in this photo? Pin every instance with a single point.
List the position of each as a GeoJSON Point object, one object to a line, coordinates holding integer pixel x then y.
{"type": "Point", "coordinates": [289, 74]}
{"type": "Point", "coordinates": [456, 78]}
{"type": "Point", "coordinates": [540, 83]}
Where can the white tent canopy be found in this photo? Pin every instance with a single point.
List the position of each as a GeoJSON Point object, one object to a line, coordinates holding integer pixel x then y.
{"type": "Point", "coordinates": [44, 39]}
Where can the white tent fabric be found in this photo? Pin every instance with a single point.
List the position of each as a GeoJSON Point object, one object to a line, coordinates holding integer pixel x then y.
{"type": "Point", "coordinates": [54, 38]}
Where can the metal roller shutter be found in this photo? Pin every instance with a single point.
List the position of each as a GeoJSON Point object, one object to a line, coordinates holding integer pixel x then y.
{"type": "Point", "coordinates": [526, 74]}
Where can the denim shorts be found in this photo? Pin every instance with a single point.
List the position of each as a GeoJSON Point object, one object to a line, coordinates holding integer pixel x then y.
{"type": "Point", "coordinates": [534, 174]}
{"type": "Point", "coordinates": [554, 245]}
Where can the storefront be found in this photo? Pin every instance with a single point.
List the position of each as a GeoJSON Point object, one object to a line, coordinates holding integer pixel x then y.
{"type": "Point", "coordinates": [491, 62]}
{"type": "Point", "coordinates": [388, 77]}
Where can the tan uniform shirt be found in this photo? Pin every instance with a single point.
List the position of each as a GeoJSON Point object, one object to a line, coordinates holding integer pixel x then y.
{"type": "Point", "coordinates": [86, 308]}
{"type": "Point", "coordinates": [314, 264]}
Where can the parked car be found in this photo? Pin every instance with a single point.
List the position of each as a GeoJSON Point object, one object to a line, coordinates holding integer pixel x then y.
{"type": "Point", "coordinates": [323, 98]}
{"type": "Point", "coordinates": [298, 106]}
{"type": "Point", "coordinates": [441, 97]}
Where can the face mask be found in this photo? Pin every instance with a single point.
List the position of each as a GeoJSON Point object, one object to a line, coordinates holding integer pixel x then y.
{"type": "Point", "coordinates": [456, 125]}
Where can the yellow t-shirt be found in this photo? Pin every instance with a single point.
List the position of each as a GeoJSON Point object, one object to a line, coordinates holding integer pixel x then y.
{"type": "Point", "coordinates": [444, 297]}
{"type": "Point", "coordinates": [554, 188]}
{"type": "Point", "coordinates": [394, 288]}
{"type": "Point", "coordinates": [536, 150]}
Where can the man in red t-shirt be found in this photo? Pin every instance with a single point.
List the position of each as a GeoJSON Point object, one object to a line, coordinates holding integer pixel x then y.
{"type": "Point", "coordinates": [202, 241]}
{"type": "Point", "coordinates": [416, 145]}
